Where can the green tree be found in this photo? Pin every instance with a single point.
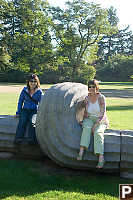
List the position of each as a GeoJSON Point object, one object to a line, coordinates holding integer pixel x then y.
{"type": "Point", "coordinates": [77, 28]}
{"type": "Point", "coordinates": [117, 68]}
{"type": "Point", "coordinates": [5, 64]}
{"type": "Point", "coordinates": [27, 33]}
{"type": "Point", "coordinates": [112, 43]}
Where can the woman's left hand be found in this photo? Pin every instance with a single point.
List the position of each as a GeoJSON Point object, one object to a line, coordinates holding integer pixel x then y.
{"type": "Point", "coordinates": [93, 128]}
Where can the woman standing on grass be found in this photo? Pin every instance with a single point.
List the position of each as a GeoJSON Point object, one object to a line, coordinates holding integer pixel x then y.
{"type": "Point", "coordinates": [29, 100]}
{"type": "Point", "coordinates": [94, 121]}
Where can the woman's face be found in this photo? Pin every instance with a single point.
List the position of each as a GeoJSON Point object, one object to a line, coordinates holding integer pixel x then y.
{"type": "Point", "coordinates": [92, 89]}
{"type": "Point", "coordinates": [32, 83]}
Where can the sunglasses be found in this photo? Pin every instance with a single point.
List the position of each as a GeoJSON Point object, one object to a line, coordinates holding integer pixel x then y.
{"type": "Point", "coordinates": [33, 81]}
{"type": "Point", "coordinates": [91, 86]}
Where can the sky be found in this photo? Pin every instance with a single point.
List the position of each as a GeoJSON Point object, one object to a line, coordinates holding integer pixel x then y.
{"type": "Point", "coordinates": [124, 9]}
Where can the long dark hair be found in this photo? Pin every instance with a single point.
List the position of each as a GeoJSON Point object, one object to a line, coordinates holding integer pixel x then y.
{"type": "Point", "coordinates": [33, 77]}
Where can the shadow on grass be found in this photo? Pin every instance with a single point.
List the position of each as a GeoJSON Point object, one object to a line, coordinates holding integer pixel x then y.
{"type": "Point", "coordinates": [25, 178]}
{"type": "Point", "coordinates": [125, 93]}
{"type": "Point", "coordinates": [109, 108]}
{"type": "Point", "coordinates": [128, 88]}
{"type": "Point", "coordinates": [117, 83]}
{"type": "Point", "coordinates": [117, 90]}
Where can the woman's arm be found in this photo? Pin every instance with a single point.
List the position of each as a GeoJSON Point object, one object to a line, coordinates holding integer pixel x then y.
{"type": "Point", "coordinates": [80, 110]}
{"type": "Point", "coordinates": [102, 103]}
{"type": "Point", "coordinates": [20, 102]}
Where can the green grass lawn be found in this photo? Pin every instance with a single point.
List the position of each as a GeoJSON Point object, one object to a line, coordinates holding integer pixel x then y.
{"type": "Point", "coordinates": [28, 180]}
{"type": "Point", "coordinates": [8, 103]}
{"type": "Point", "coordinates": [119, 110]}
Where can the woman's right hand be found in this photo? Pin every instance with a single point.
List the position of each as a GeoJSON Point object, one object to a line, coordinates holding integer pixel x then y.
{"type": "Point", "coordinates": [81, 122]}
{"type": "Point", "coordinates": [16, 116]}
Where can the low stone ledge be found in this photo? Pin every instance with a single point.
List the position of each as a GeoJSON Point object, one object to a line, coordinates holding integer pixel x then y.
{"type": "Point", "coordinates": [118, 150]}
{"type": "Point", "coordinates": [8, 125]}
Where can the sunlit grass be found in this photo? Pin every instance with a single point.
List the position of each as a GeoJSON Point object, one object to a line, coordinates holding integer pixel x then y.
{"type": "Point", "coordinates": [8, 103]}
{"type": "Point", "coordinates": [119, 110]}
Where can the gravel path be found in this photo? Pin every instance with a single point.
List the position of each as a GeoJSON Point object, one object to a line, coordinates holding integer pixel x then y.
{"type": "Point", "coordinates": [10, 89]}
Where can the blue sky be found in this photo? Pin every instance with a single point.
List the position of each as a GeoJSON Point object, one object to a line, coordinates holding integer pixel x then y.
{"type": "Point", "coordinates": [124, 9]}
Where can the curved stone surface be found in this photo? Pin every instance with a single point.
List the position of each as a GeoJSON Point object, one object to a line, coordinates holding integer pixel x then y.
{"type": "Point", "coordinates": [59, 133]}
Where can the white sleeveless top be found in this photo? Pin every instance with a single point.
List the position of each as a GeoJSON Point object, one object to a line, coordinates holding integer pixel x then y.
{"type": "Point", "coordinates": [94, 109]}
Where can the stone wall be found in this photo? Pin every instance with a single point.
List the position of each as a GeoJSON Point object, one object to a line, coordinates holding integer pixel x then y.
{"type": "Point", "coordinates": [8, 149]}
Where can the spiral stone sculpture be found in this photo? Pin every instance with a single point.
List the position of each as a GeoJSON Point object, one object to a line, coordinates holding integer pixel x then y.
{"type": "Point", "coordinates": [58, 131]}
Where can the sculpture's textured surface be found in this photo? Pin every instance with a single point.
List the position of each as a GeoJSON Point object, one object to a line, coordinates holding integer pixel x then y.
{"type": "Point", "coordinates": [59, 133]}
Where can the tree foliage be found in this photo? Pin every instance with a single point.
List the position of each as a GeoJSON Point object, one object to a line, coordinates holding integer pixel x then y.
{"type": "Point", "coordinates": [113, 43]}
{"type": "Point", "coordinates": [68, 44]}
{"type": "Point", "coordinates": [77, 28]}
{"type": "Point", "coordinates": [117, 68]}
{"type": "Point", "coordinates": [27, 38]}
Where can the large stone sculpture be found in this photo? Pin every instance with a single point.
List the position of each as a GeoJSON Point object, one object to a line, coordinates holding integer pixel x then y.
{"type": "Point", "coordinates": [58, 132]}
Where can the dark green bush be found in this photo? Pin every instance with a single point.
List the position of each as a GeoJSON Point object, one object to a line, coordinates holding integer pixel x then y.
{"type": "Point", "coordinates": [15, 76]}
{"type": "Point", "coordinates": [118, 68]}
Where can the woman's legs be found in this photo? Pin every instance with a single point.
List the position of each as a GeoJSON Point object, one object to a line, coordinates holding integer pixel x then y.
{"type": "Point", "coordinates": [99, 144]}
{"type": "Point", "coordinates": [85, 138]}
{"type": "Point", "coordinates": [100, 161]}
{"type": "Point", "coordinates": [31, 131]}
{"type": "Point", "coordinates": [21, 128]}
{"type": "Point", "coordinates": [81, 151]}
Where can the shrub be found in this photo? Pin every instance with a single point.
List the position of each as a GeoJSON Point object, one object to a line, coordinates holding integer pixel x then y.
{"type": "Point", "coordinates": [118, 68]}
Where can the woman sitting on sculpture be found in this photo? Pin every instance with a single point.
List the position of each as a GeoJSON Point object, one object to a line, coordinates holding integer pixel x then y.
{"type": "Point", "coordinates": [29, 100]}
{"type": "Point", "coordinates": [94, 122]}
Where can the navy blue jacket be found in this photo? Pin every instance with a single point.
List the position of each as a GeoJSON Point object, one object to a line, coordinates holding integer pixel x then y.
{"type": "Point", "coordinates": [25, 101]}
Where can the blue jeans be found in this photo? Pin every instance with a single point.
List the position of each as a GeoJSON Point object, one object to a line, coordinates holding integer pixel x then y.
{"type": "Point", "coordinates": [25, 120]}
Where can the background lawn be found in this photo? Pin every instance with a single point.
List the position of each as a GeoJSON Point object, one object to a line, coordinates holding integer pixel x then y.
{"type": "Point", "coordinates": [119, 109]}
{"type": "Point", "coordinates": [120, 112]}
